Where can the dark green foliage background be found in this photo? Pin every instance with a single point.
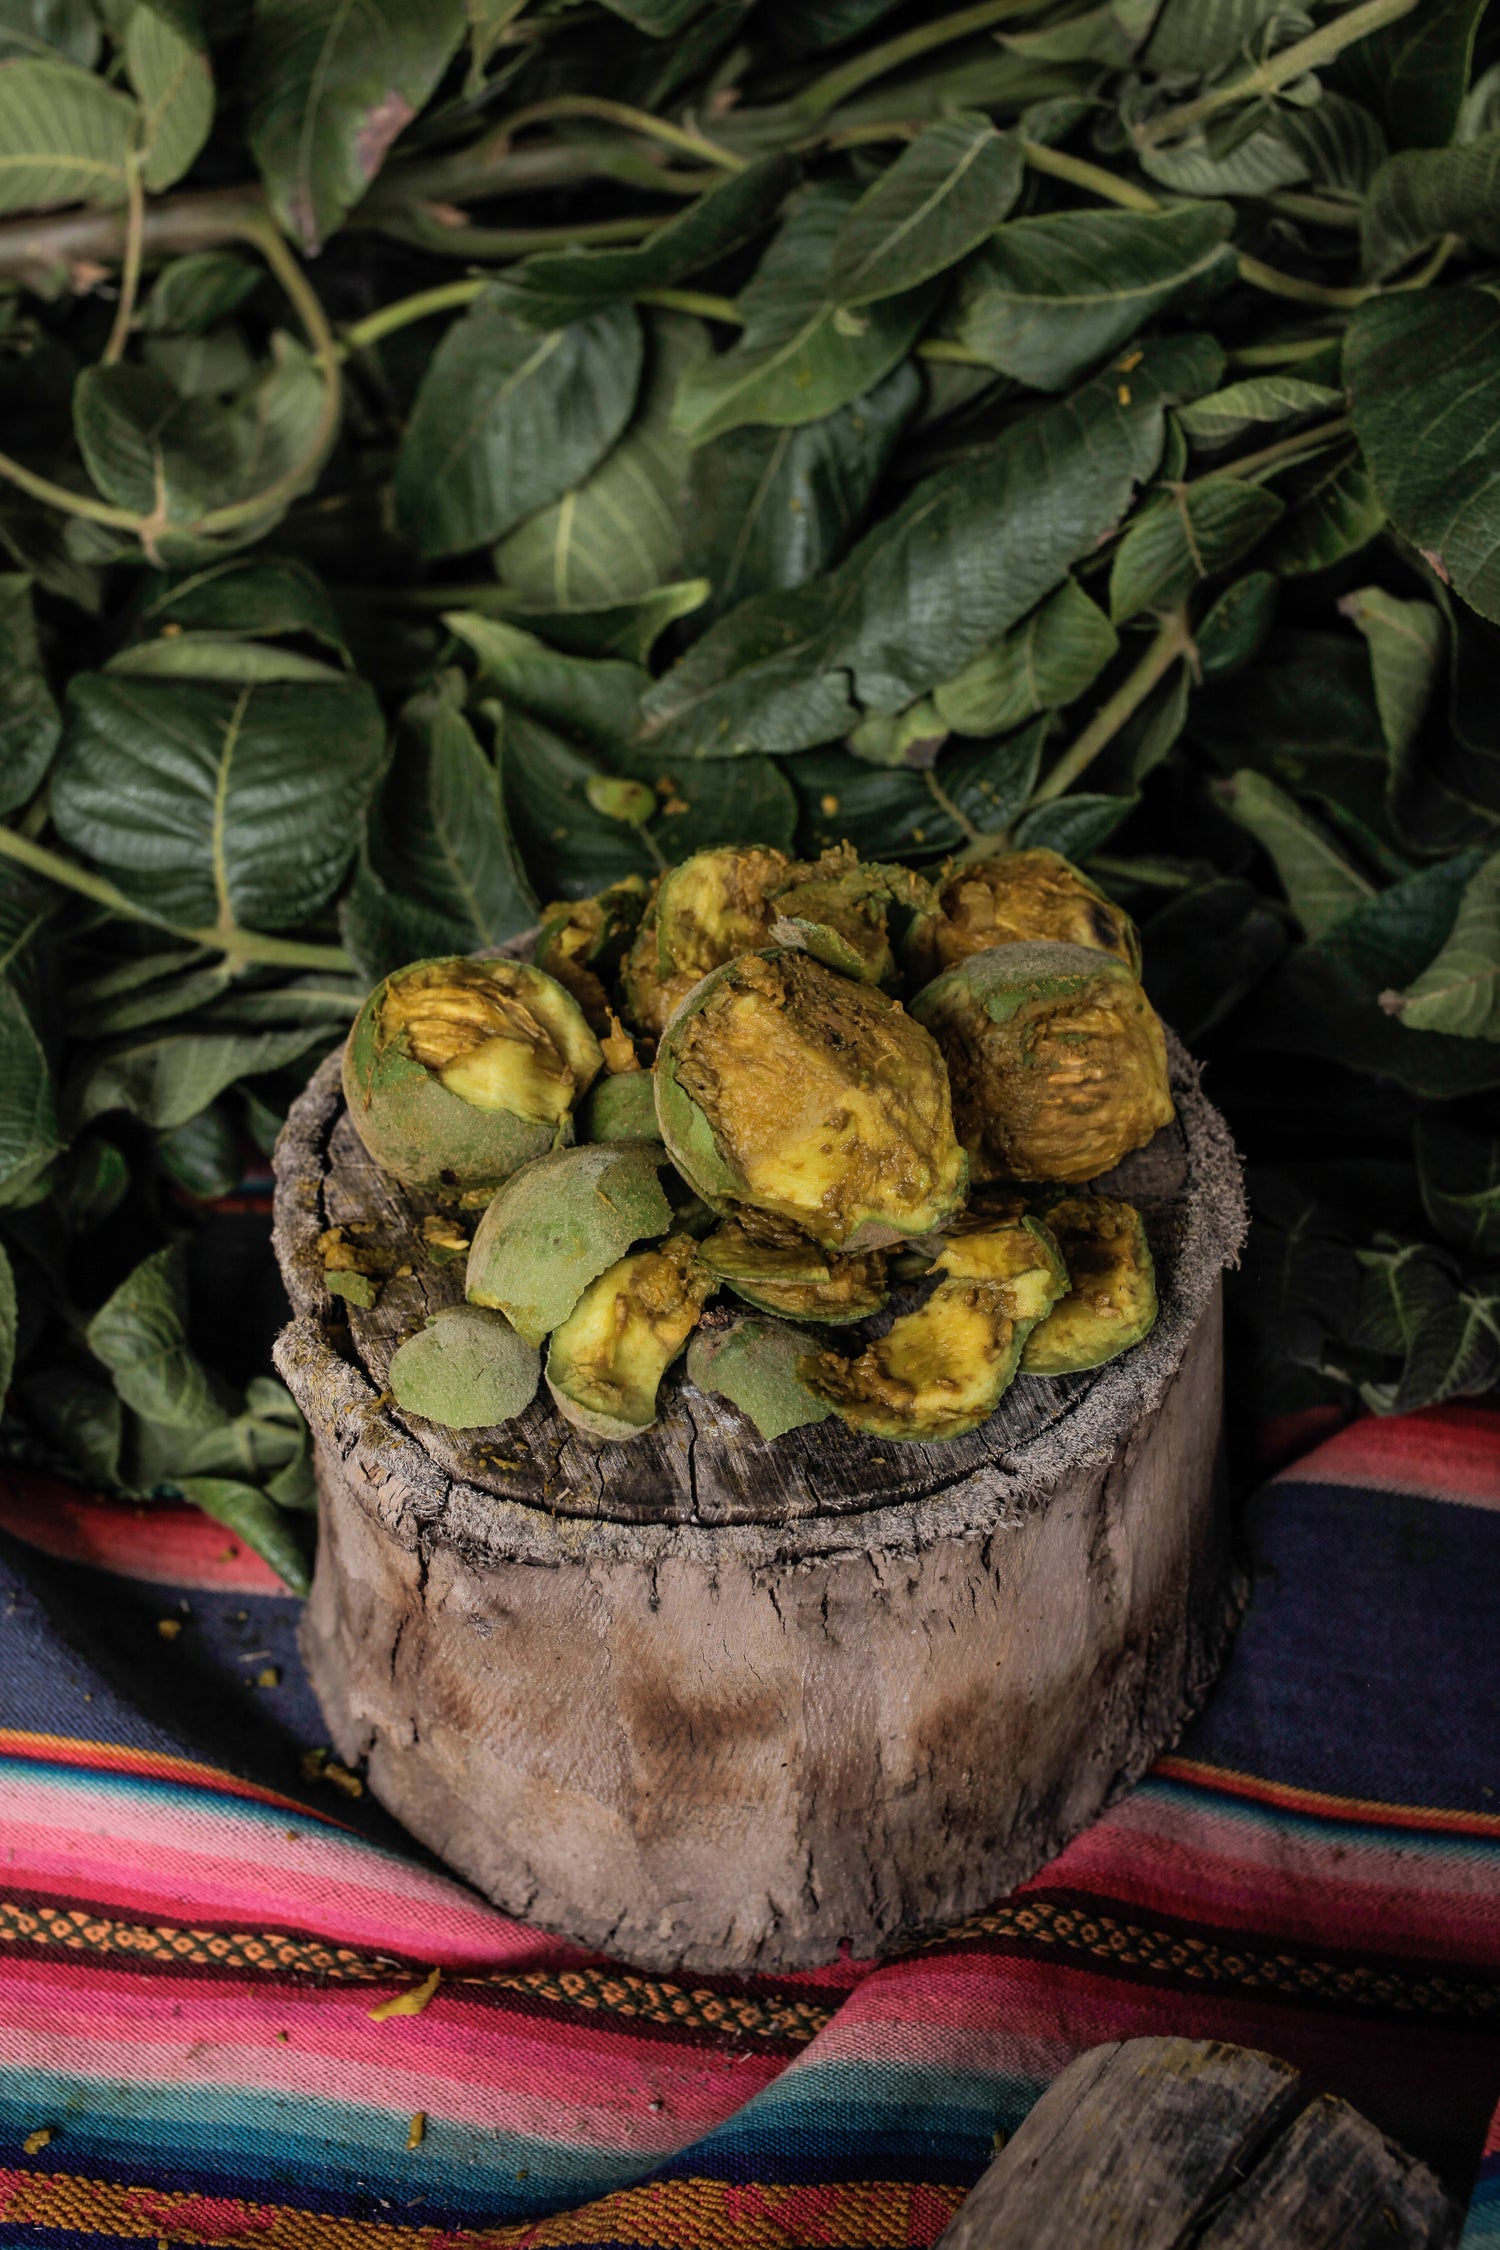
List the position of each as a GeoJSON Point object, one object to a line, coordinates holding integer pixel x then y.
{"type": "Point", "coordinates": [1048, 422]}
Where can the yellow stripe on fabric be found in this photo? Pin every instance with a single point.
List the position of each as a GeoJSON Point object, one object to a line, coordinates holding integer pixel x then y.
{"type": "Point", "coordinates": [666, 2215]}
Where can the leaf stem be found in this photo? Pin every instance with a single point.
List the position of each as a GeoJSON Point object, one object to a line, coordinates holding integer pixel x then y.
{"type": "Point", "coordinates": [1091, 177]}
{"type": "Point", "coordinates": [634, 121]}
{"type": "Point", "coordinates": [1318, 210]}
{"type": "Point", "coordinates": [420, 227]}
{"type": "Point", "coordinates": [130, 271]}
{"type": "Point", "coordinates": [1265, 78]}
{"type": "Point", "coordinates": [694, 301]}
{"type": "Point", "coordinates": [835, 86]}
{"type": "Point", "coordinates": [1271, 456]}
{"type": "Point", "coordinates": [240, 945]}
{"type": "Point", "coordinates": [1286, 354]}
{"type": "Point", "coordinates": [1301, 292]}
{"type": "Point", "coordinates": [944, 802]}
{"type": "Point", "coordinates": [360, 334]}
{"type": "Point", "coordinates": [1173, 639]}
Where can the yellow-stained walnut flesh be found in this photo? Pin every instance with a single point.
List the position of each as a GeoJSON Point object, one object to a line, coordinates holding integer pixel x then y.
{"type": "Point", "coordinates": [1057, 1060]}
{"type": "Point", "coordinates": [711, 909]}
{"type": "Point", "coordinates": [787, 1088]}
{"type": "Point", "coordinates": [939, 1373]}
{"type": "Point", "coordinates": [1111, 1298]}
{"type": "Point", "coordinates": [606, 1361]}
{"type": "Point", "coordinates": [492, 1039]}
{"type": "Point", "coordinates": [779, 1269]}
{"type": "Point", "coordinates": [1019, 895]}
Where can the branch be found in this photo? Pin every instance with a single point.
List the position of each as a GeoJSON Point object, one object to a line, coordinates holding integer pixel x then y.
{"type": "Point", "coordinates": [43, 248]}
{"type": "Point", "coordinates": [237, 945]}
{"type": "Point", "coordinates": [1093, 177]}
{"type": "Point", "coordinates": [130, 272]}
{"type": "Point", "coordinates": [835, 86]}
{"type": "Point", "coordinates": [1173, 639]}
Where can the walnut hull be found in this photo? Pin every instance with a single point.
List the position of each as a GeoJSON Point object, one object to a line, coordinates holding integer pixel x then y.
{"type": "Point", "coordinates": [714, 1704]}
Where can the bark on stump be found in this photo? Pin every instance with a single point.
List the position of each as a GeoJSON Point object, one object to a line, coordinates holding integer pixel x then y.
{"type": "Point", "coordinates": [714, 1704]}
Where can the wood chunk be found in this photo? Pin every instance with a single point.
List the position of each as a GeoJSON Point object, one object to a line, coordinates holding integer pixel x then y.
{"type": "Point", "coordinates": [1128, 2149]}
{"type": "Point", "coordinates": [1334, 2182]}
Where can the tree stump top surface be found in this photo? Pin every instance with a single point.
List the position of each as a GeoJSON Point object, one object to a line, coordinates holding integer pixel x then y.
{"type": "Point", "coordinates": [537, 1489]}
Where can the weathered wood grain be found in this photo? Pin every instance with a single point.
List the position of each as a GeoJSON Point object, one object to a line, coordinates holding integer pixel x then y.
{"type": "Point", "coordinates": [1334, 2182]}
{"type": "Point", "coordinates": [719, 1704]}
{"type": "Point", "coordinates": [1158, 2144]}
{"type": "Point", "coordinates": [1128, 2148]}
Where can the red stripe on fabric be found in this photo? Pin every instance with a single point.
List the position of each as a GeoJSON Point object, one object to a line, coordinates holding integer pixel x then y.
{"type": "Point", "coordinates": [1438, 1453]}
{"type": "Point", "coordinates": [164, 1541]}
{"type": "Point", "coordinates": [1367, 1811]}
{"type": "Point", "coordinates": [150, 1765]}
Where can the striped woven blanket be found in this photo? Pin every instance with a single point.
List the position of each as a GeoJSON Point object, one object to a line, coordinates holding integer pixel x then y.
{"type": "Point", "coordinates": [202, 1919]}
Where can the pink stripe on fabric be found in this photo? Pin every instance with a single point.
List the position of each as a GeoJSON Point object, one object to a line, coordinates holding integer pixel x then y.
{"type": "Point", "coordinates": [568, 2091]}
{"type": "Point", "coordinates": [137, 1857]}
{"type": "Point", "coordinates": [164, 1542]}
{"type": "Point", "coordinates": [1160, 1855]}
{"type": "Point", "coordinates": [1440, 1453]}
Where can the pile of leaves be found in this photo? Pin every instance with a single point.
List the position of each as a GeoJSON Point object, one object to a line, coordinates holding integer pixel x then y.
{"type": "Point", "coordinates": [458, 456]}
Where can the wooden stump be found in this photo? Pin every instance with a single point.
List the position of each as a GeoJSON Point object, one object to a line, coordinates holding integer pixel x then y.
{"type": "Point", "coordinates": [717, 1704]}
{"type": "Point", "coordinates": [1158, 2143]}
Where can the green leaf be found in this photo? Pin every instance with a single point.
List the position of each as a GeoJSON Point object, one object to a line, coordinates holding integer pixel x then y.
{"type": "Point", "coordinates": [255, 1519]}
{"type": "Point", "coordinates": [328, 87]}
{"type": "Point", "coordinates": [1257, 165]}
{"type": "Point", "coordinates": [1452, 1342]}
{"type": "Point", "coordinates": [624, 530]}
{"type": "Point", "coordinates": [661, 18]}
{"type": "Point", "coordinates": [140, 1334]}
{"type": "Point", "coordinates": [800, 357]}
{"type": "Point", "coordinates": [8, 1324]}
{"type": "Point", "coordinates": [967, 555]}
{"type": "Point", "coordinates": [243, 598]}
{"type": "Point", "coordinates": [1074, 825]}
{"type": "Point", "coordinates": [774, 507]}
{"type": "Point", "coordinates": [64, 137]}
{"type": "Point", "coordinates": [1332, 511]}
{"type": "Point", "coordinates": [1391, 938]}
{"type": "Point", "coordinates": [1400, 1288]}
{"type": "Point", "coordinates": [1048, 298]}
{"type": "Point", "coordinates": [1423, 368]}
{"type": "Point", "coordinates": [1196, 38]}
{"type": "Point", "coordinates": [212, 656]}
{"type": "Point", "coordinates": [83, 1419]}
{"type": "Point", "coordinates": [946, 191]}
{"type": "Point", "coordinates": [168, 1079]}
{"type": "Point", "coordinates": [1414, 73]}
{"type": "Point", "coordinates": [215, 806]}
{"type": "Point", "coordinates": [172, 460]}
{"type": "Point", "coordinates": [1045, 661]}
{"type": "Point", "coordinates": [1459, 992]}
{"type": "Point", "coordinates": [977, 790]}
{"type": "Point", "coordinates": [29, 722]}
{"type": "Point", "coordinates": [507, 421]}
{"type": "Point", "coordinates": [1318, 880]}
{"type": "Point", "coordinates": [1188, 534]}
{"type": "Point", "coordinates": [1459, 1175]}
{"type": "Point", "coordinates": [1424, 193]}
{"type": "Point", "coordinates": [1407, 642]}
{"type": "Point", "coordinates": [167, 65]}
{"type": "Point", "coordinates": [553, 288]}
{"type": "Point", "coordinates": [1206, 950]}
{"type": "Point", "coordinates": [1228, 414]}
{"type": "Point", "coordinates": [202, 1157]}
{"type": "Point", "coordinates": [49, 28]}
{"type": "Point", "coordinates": [629, 630]}
{"type": "Point", "coordinates": [1341, 145]}
{"type": "Point", "coordinates": [1237, 627]}
{"type": "Point", "coordinates": [29, 1135]}
{"type": "Point", "coordinates": [194, 294]}
{"type": "Point", "coordinates": [441, 839]}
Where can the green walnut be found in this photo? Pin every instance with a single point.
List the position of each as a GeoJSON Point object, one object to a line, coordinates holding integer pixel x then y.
{"type": "Point", "coordinates": [1013, 898]}
{"type": "Point", "coordinates": [787, 1089]}
{"type": "Point", "coordinates": [556, 1224]}
{"type": "Point", "coordinates": [606, 1361]}
{"type": "Point", "coordinates": [467, 1369]}
{"type": "Point", "coordinates": [753, 1363]}
{"type": "Point", "coordinates": [583, 941]}
{"type": "Point", "coordinates": [840, 910]}
{"type": "Point", "coordinates": [1057, 1059]}
{"type": "Point", "coordinates": [1111, 1299]}
{"type": "Point", "coordinates": [620, 1108]}
{"type": "Point", "coordinates": [707, 911]}
{"type": "Point", "coordinates": [459, 1071]}
{"type": "Point", "coordinates": [942, 1370]}
{"type": "Point", "coordinates": [779, 1269]}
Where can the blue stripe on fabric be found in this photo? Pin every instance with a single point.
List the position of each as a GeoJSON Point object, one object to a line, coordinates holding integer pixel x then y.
{"type": "Point", "coordinates": [320, 2155]}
